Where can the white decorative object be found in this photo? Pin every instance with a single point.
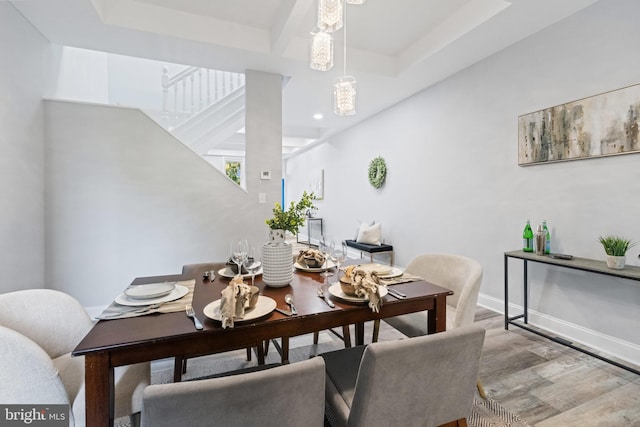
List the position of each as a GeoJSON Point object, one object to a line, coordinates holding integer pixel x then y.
{"type": "Point", "coordinates": [330, 15]}
{"type": "Point", "coordinates": [344, 96]}
{"type": "Point", "coordinates": [277, 260]}
{"type": "Point", "coordinates": [616, 262]}
{"type": "Point", "coordinates": [321, 51]}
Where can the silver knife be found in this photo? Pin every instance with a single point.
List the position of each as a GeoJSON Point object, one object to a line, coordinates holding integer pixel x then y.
{"type": "Point", "coordinates": [285, 312]}
{"type": "Point", "coordinates": [396, 293]}
{"type": "Point", "coordinates": [327, 300]}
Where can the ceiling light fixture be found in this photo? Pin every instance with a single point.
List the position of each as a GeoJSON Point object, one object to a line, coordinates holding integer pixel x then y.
{"type": "Point", "coordinates": [321, 51]}
{"type": "Point", "coordinates": [318, 116]}
{"type": "Point", "coordinates": [330, 15]}
{"type": "Point", "coordinates": [344, 88]}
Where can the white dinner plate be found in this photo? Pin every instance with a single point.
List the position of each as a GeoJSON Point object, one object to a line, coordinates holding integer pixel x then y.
{"type": "Point", "coordinates": [395, 272]}
{"type": "Point", "coordinates": [178, 292]}
{"type": "Point", "coordinates": [336, 291]}
{"type": "Point", "coordinates": [381, 270]}
{"type": "Point", "coordinates": [264, 306]}
{"type": "Point", "coordinates": [330, 265]}
{"type": "Point", "coordinates": [229, 274]}
{"type": "Point", "coordinates": [151, 290]}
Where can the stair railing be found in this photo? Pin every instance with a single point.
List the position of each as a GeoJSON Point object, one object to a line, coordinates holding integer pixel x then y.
{"type": "Point", "coordinates": [192, 90]}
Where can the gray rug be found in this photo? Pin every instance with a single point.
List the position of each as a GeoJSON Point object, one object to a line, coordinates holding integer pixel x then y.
{"type": "Point", "coordinates": [485, 413]}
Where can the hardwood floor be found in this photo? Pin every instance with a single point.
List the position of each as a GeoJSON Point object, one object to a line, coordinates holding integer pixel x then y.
{"type": "Point", "coordinates": [550, 385]}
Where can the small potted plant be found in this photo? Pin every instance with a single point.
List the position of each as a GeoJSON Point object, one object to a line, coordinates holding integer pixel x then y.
{"type": "Point", "coordinates": [291, 219]}
{"type": "Point", "coordinates": [616, 249]}
{"type": "Point", "coordinates": [277, 255]}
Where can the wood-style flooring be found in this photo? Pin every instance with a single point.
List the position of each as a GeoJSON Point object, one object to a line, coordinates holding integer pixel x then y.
{"type": "Point", "coordinates": [549, 385]}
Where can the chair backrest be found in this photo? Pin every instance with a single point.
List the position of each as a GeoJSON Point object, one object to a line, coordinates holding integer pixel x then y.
{"type": "Point", "coordinates": [288, 395]}
{"type": "Point", "coordinates": [27, 373]}
{"type": "Point", "coordinates": [54, 320]}
{"type": "Point", "coordinates": [193, 271]}
{"type": "Point", "coordinates": [460, 274]}
{"type": "Point", "coordinates": [428, 380]}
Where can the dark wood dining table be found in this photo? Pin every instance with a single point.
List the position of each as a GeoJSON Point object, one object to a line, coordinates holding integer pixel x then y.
{"type": "Point", "coordinates": [113, 343]}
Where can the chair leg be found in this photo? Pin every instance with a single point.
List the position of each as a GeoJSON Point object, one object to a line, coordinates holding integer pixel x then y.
{"type": "Point", "coordinates": [346, 336]}
{"type": "Point", "coordinates": [376, 330]}
{"type": "Point", "coordinates": [462, 422]}
{"type": "Point", "coordinates": [248, 354]}
{"type": "Point", "coordinates": [178, 366]}
{"type": "Point", "coordinates": [316, 335]}
{"type": "Point", "coordinates": [481, 389]}
{"type": "Point", "coordinates": [285, 350]}
{"type": "Point", "coordinates": [134, 419]}
{"type": "Point", "coordinates": [266, 347]}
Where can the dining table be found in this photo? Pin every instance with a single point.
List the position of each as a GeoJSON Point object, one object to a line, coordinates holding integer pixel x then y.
{"type": "Point", "coordinates": [112, 343]}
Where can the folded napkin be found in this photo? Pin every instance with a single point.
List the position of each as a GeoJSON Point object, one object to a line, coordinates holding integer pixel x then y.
{"type": "Point", "coordinates": [236, 298]}
{"type": "Point", "coordinates": [119, 311]}
{"type": "Point", "coordinates": [366, 284]}
{"type": "Point", "coordinates": [404, 278]}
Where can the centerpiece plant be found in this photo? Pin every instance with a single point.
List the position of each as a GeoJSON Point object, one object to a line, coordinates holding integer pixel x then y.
{"type": "Point", "coordinates": [293, 218]}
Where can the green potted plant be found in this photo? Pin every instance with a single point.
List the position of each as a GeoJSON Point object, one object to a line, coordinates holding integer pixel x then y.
{"type": "Point", "coordinates": [616, 249]}
{"type": "Point", "coordinates": [291, 219]}
{"type": "Point", "coordinates": [277, 255]}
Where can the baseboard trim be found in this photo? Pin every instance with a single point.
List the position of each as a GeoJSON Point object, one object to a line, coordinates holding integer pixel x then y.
{"type": "Point", "coordinates": [612, 346]}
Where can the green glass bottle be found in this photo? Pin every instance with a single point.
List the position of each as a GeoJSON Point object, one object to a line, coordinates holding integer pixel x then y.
{"type": "Point", "coordinates": [527, 236]}
{"type": "Point", "coordinates": [547, 242]}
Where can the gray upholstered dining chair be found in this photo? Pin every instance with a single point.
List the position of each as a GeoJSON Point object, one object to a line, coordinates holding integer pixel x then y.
{"type": "Point", "coordinates": [426, 381]}
{"type": "Point", "coordinates": [462, 275]}
{"type": "Point", "coordinates": [56, 323]}
{"type": "Point", "coordinates": [284, 396]}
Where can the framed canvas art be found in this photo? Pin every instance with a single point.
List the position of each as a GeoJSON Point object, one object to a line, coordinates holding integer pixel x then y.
{"type": "Point", "coordinates": [600, 125]}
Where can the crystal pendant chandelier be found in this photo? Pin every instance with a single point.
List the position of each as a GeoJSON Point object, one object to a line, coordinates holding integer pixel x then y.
{"type": "Point", "coordinates": [344, 88]}
{"type": "Point", "coordinates": [344, 96]}
{"type": "Point", "coordinates": [330, 15]}
{"type": "Point", "coordinates": [321, 51]}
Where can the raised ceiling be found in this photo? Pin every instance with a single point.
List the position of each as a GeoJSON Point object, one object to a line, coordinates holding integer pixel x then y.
{"type": "Point", "coordinates": [395, 47]}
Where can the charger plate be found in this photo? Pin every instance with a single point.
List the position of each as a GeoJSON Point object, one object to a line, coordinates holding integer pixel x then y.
{"type": "Point", "coordinates": [264, 306]}
{"type": "Point", "coordinates": [336, 291]}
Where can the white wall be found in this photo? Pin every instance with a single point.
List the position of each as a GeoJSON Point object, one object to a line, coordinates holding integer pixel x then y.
{"type": "Point", "coordinates": [125, 199]}
{"type": "Point", "coordinates": [22, 161]}
{"type": "Point", "coordinates": [454, 185]}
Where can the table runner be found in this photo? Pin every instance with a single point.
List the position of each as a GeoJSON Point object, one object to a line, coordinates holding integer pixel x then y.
{"type": "Point", "coordinates": [119, 311]}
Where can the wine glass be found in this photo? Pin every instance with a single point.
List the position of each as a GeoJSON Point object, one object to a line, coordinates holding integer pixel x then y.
{"type": "Point", "coordinates": [253, 263]}
{"type": "Point", "coordinates": [326, 247]}
{"type": "Point", "coordinates": [239, 249]}
{"type": "Point", "coordinates": [338, 256]}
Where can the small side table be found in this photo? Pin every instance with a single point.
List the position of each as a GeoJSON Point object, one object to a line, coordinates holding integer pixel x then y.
{"type": "Point", "coordinates": [309, 220]}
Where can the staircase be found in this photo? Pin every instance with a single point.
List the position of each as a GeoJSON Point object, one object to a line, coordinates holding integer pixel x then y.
{"type": "Point", "coordinates": [202, 107]}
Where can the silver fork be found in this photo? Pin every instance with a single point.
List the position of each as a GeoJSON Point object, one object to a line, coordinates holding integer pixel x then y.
{"type": "Point", "coordinates": [192, 314]}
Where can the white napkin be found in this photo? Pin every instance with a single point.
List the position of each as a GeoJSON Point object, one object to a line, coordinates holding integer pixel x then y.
{"type": "Point", "coordinates": [234, 300]}
{"type": "Point", "coordinates": [366, 284]}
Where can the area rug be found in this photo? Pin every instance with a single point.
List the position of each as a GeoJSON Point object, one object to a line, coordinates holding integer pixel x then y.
{"type": "Point", "coordinates": [485, 412]}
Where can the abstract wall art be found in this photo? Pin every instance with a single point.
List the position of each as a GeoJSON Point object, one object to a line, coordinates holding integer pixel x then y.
{"type": "Point", "coordinates": [600, 125]}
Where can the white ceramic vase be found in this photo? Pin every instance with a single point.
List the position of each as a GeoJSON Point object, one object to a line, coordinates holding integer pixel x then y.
{"type": "Point", "coordinates": [616, 262]}
{"type": "Point", "coordinates": [277, 260]}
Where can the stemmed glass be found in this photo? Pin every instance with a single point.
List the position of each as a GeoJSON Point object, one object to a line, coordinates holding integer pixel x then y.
{"type": "Point", "coordinates": [253, 263]}
{"type": "Point", "coordinates": [326, 247]}
{"type": "Point", "coordinates": [339, 255]}
{"type": "Point", "coordinates": [239, 250]}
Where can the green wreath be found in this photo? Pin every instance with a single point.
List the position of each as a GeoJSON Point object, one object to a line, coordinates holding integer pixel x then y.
{"type": "Point", "coordinates": [377, 172]}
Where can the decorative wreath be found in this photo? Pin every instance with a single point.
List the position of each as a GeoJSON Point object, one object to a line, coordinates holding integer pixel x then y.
{"type": "Point", "coordinates": [377, 172]}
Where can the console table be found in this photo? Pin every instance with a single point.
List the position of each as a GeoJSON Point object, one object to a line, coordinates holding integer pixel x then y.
{"type": "Point", "coordinates": [583, 264]}
{"type": "Point", "coordinates": [309, 220]}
